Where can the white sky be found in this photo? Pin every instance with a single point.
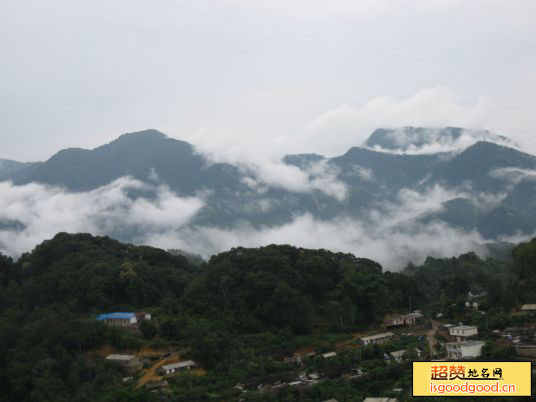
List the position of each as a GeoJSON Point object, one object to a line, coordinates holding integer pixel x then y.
{"type": "Point", "coordinates": [262, 77]}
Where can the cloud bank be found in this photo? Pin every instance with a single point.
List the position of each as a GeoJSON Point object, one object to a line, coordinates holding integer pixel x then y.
{"type": "Point", "coordinates": [334, 131]}
{"type": "Point", "coordinates": [151, 214]}
{"type": "Point", "coordinates": [32, 213]}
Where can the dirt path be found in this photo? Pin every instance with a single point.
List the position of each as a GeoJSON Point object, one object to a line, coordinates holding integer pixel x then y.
{"type": "Point", "coordinates": [432, 341]}
{"type": "Point", "coordinates": [152, 372]}
{"type": "Point", "coordinates": [349, 342]}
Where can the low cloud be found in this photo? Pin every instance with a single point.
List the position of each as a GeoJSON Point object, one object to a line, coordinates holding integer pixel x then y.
{"type": "Point", "coordinates": [320, 176]}
{"type": "Point", "coordinates": [393, 249]}
{"type": "Point", "coordinates": [156, 216]}
{"type": "Point", "coordinates": [513, 175]}
{"type": "Point", "coordinates": [142, 213]}
{"type": "Point", "coordinates": [32, 213]}
{"type": "Point", "coordinates": [429, 107]}
{"type": "Point", "coordinates": [435, 140]}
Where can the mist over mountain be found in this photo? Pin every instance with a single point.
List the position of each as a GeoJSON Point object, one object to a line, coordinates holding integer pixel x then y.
{"type": "Point", "coordinates": [427, 140]}
{"type": "Point", "coordinates": [398, 198]}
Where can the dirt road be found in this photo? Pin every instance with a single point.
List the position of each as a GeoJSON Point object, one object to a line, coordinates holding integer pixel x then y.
{"type": "Point", "coordinates": [432, 341]}
{"type": "Point", "coordinates": [152, 372]}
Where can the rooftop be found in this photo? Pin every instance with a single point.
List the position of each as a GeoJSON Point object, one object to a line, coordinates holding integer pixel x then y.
{"type": "Point", "coordinates": [526, 307]}
{"type": "Point", "coordinates": [465, 327]}
{"type": "Point", "coordinates": [185, 363]}
{"type": "Point", "coordinates": [119, 357]}
{"type": "Point", "coordinates": [119, 315]}
{"type": "Point", "coordinates": [378, 336]}
{"type": "Point", "coordinates": [157, 384]}
{"type": "Point", "coordinates": [473, 343]}
{"type": "Point", "coordinates": [466, 343]}
{"type": "Point", "coordinates": [398, 353]}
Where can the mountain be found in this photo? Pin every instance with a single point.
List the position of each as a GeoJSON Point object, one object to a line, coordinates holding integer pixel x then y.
{"type": "Point", "coordinates": [475, 165]}
{"type": "Point", "coordinates": [140, 155]}
{"type": "Point", "coordinates": [485, 198]}
{"type": "Point", "coordinates": [8, 167]}
{"type": "Point", "coordinates": [418, 138]}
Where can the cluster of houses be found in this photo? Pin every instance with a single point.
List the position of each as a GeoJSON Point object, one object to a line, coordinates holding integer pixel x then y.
{"type": "Point", "coordinates": [132, 364]}
{"type": "Point", "coordinates": [274, 382]}
{"type": "Point", "coordinates": [522, 339]}
{"type": "Point", "coordinates": [461, 341]}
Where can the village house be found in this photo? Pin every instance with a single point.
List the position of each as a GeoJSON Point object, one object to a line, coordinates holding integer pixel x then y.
{"type": "Point", "coordinates": [282, 355]}
{"type": "Point", "coordinates": [398, 355]}
{"type": "Point", "coordinates": [524, 334]}
{"type": "Point", "coordinates": [142, 315]}
{"type": "Point", "coordinates": [129, 363]}
{"type": "Point", "coordinates": [529, 308]}
{"type": "Point", "coordinates": [303, 353]}
{"type": "Point", "coordinates": [472, 305]}
{"type": "Point", "coordinates": [392, 320]}
{"type": "Point", "coordinates": [379, 338]}
{"type": "Point", "coordinates": [175, 367]}
{"type": "Point", "coordinates": [123, 319]}
{"type": "Point", "coordinates": [157, 386]}
{"type": "Point", "coordinates": [464, 350]}
{"type": "Point", "coordinates": [443, 330]}
{"type": "Point", "coordinates": [329, 354]}
{"type": "Point", "coordinates": [525, 349]}
{"type": "Point", "coordinates": [462, 332]}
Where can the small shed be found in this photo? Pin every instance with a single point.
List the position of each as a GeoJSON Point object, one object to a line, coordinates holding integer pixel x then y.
{"type": "Point", "coordinates": [176, 367]}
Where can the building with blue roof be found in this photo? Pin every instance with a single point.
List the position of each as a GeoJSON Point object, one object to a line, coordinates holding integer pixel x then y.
{"type": "Point", "coordinates": [119, 319]}
{"type": "Point", "coordinates": [123, 319]}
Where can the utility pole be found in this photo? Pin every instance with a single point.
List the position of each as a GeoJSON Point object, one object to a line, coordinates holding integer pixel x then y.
{"type": "Point", "coordinates": [190, 377]}
{"type": "Point", "coordinates": [485, 314]}
{"type": "Point", "coordinates": [410, 310]}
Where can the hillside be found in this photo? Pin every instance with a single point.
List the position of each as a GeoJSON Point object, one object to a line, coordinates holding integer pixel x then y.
{"type": "Point", "coordinates": [233, 315]}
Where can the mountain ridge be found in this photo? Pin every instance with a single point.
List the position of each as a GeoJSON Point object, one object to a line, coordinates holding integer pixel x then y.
{"type": "Point", "coordinates": [372, 179]}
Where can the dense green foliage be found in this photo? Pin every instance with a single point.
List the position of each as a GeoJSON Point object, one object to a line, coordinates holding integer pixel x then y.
{"type": "Point", "coordinates": [233, 315]}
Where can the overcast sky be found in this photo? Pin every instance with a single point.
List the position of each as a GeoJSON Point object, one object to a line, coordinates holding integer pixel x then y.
{"type": "Point", "coordinates": [277, 75]}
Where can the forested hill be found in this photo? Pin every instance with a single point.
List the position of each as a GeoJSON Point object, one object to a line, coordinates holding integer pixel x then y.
{"type": "Point", "coordinates": [239, 304]}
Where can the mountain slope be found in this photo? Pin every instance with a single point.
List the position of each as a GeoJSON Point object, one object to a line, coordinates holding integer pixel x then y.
{"type": "Point", "coordinates": [475, 165]}
{"type": "Point", "coordinates": [480, 193]}
{"type": "Point", "coordinates": [143, 155]}
{"type": "Point", "coordinates": [8, 167]}
{"type": "Point", "coordinates": [412, 139]}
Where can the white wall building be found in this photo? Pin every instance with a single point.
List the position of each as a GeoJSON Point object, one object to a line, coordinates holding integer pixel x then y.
{"type": "Point", "coordinates": [379, 338]}
{"type": "Point", "coordinates": [462, 332]}
{"type": "Point", "coordinates": [464, 350]}
{"type": "Point", "coordinates": [175, 367]}
{"type": "Point", "coordinates": [398, 355]}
